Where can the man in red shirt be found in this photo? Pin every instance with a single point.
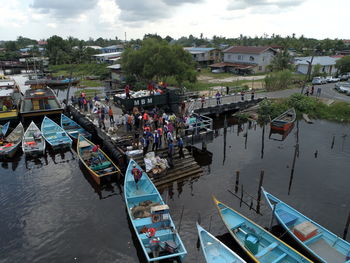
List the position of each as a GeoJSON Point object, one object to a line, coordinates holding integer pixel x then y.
{"type": "Point", "coordinates": [137, 173]}
{"type": "Point", "coordinates": [127, 91]}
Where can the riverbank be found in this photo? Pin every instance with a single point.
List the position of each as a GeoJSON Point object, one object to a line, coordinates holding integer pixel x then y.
{"type": "Point", "coordinates": [316, 108]}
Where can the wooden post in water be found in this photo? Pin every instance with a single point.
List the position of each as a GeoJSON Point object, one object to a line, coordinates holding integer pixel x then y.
{"type": "Point", "coordinates": [240, 204]}
{"type": "Point", "coordinates": [333, 142]}
{"type": "Point", "coordinates": [260, 184]}
{"type": "Point", "coordinates": [237, 181]}
{"type": "Point", "coordinates": [293, 165]}
{"type": "Point", "coordinates": [259, 191]}
{"type": "Point", "coordinates": [346, 227]}
{"type": "Point", "coordinates": [262, 142]}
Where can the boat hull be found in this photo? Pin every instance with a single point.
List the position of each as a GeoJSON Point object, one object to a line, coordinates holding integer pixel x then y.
{"type": "Point", "coordinates": [98, 178]}
{"type": "Point", "coordinates": [55, 135]}
{"type": "Point", "coordinates": [259, 244]}
{"type": "Point", "coordinates": [322, 244]}
{"type": "Point", "coordinates": [214, 250]}
{"type": "Point", "coordinates": [164, 229]}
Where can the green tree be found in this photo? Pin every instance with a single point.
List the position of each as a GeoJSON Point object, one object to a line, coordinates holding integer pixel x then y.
{"type": "Point", "coordinates": [343, 64]}
{"type": "Point", "coordinates": [157, 60]}
{"type": "Point", "coordinates": [281, 61]}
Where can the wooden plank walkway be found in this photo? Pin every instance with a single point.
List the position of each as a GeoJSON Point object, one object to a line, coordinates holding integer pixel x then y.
{"type": "Point", "coordinates": [183, 169]}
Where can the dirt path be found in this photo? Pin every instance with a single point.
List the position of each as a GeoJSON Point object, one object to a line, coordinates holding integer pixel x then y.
{"type": "Point", "coordinates": [229, 79]}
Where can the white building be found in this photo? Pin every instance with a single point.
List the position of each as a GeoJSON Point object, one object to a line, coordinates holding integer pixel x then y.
{"type": "Point", "coordinates": [107, 57]}
{"type": "Point", "coordinates": [257, 58]}
{"type": "Point", "coordinates": [327, 64]}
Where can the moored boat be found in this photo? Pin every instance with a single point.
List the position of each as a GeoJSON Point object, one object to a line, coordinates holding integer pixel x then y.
{"type": "Point", "coordinates": [99, 165]}
{"type": "Point", "coordinates": [4, 128]}
{"type": "Point", "coordinates": [10, 96]}
{"type": "Point", "coordinates": [54, 134]}
{"type": "Point", "coordinates": [150, 218]}
{"type": "Point", "coordinates": [11, 143]}
{"type": "Point", "coordinates": [73, 129]}
{"type": "Point", "coordinates": [39, 100]}
{"type": "Point", "coordinates": [284, 121]}
{"type": "Point", "coordinates": [258, 243]}
{"type": "Point", "coordinates": [320, 242]}
{"type": "Point", "coordinates": [33, 143]}
{"type": "Point", "coordinates": [214, 250]}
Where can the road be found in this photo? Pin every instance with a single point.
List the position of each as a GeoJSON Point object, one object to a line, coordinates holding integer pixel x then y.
{"type": "Point", "coordinates": [327, 92]}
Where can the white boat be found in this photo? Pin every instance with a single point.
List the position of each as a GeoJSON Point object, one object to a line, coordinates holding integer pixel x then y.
{"type": "Point", "coordinates": [33, 143]}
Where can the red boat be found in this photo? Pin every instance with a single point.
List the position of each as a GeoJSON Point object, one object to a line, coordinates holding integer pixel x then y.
{"type": "Point", "coordinates": [285, 121]}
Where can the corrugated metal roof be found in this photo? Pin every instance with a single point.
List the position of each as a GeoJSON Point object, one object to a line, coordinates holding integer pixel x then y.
{"type": "Point", "coordinates": [199, 49]}
{"type": "Point", "coordinates": [247, 49]}
{"type": "Point", "coordinates": [322, 60]}
{"type": "Point", "coordinates": [115, 66]}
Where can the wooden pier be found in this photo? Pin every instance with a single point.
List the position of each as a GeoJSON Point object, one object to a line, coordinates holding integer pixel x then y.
{"type": "Point", "coordinates": [183, 169]}
{"type": "Point", "coordinates": [232, 102]}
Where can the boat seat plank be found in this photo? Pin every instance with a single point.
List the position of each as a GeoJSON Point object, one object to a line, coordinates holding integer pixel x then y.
{"type": "Point", "coordinates": [312, 239]}
{"type": "Point", "coordinates": [279, 258]}
{"type": "Point", "coordinates": [140, 198]}
{"type": "Point", "coordinates": [266, 250]}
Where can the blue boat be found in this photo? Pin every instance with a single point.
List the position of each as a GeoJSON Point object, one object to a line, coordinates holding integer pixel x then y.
{"type": "Point", "coordinates": [214, 250]}
{"type": "Point", "coordinates": [258, 243]}
{"type": "Point", "coordinates": [150, 218]}
{"type": "Point", "coordinates": [320, 242]}
{"type": "Point", "coordinates": [4, 128]}
{"type": "Point", "coordinates": [54, 134]}
{"type": "Point", "coordinates": [73, 129]}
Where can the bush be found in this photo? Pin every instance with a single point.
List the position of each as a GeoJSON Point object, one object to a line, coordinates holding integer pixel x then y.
{"type": "Point", "coordinates": [278, 80]}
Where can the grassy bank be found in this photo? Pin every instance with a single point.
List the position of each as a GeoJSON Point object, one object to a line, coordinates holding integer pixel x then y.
{"type": "Point", "coordinates": [90, 93]}
{"type": "Point", "coordinates": [91, 83]}
{"type": "Point", "coordinates": [81, 70]}
{"type": "Point", "coordinates": [315, 108]}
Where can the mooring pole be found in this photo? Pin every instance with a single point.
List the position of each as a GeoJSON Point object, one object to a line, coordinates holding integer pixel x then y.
{"type": "Point", "coordinates": [346, 227]}
{"type": "Point", "coordinates": [260, 184]}
{"type": "Point", "coordinates": [333, 142]}
{"type": "Point", "coordinates": [240, 204]}
{"type": "Point", "coordinates": [237, 181]}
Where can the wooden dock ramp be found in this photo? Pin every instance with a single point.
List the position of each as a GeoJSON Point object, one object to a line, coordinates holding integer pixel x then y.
{"type": "Point", "coordinates": [184, 168]}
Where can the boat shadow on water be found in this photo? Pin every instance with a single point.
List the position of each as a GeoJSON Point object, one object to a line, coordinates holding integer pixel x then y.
{"type": "Point", "coordinates": [109, 186]}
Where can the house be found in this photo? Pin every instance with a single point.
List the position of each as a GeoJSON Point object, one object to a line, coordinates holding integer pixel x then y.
{"type": "Point", "coordinates": [112, 49]}
{"type": "Point", "coordinates": [247, 59]}
{"type": "Point", "coordinates": [327, 64]}
{"type": "Point", "coordinates": [116, 76]}
{"type": "Point", "coordinates": [107, 57]}
{"type": "Point", "coordinates": [203, 55]}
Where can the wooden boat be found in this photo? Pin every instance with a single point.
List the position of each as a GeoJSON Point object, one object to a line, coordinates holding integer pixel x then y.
{"type": "Point", "coordinates": [284, 121]}
{"type": "Point", "coordinates": [214, 250]}
{"type": "Point", "coordinates": [320, 242]}
{"type": "Point", "coordinates": [10, 96]}
{"type": "Point", "coordinates": [54, 134]}
{"type": "Point", "coordinates": [33, 143]}
{"type": "Point", "coordinates": [39, 100]}
{"type": "Point", "coordinates": [73, 129]}
{"type": "Point", "coordinates": [97, 163]}
{"type": "Point", "coordinates": [258, 243]}
{"type": "Point", "coordinates": [147, 211]}
{"type": "Point", "coordinates": [4, 128]}
{"type": "Point", "coordinates": [12, 142]}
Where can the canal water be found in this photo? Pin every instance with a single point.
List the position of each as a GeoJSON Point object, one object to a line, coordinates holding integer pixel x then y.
{"type": "Point", "coordinates": [51, 212]}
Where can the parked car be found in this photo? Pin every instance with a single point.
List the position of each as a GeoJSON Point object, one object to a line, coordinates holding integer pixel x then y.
{"type": "Point", "coordinates": [219, 70]}
{"type": "Point", "coordinates": [342, 87]}
{"type": "Point", "coordinates": [343, 77]}
{"type": "Point", "coordinates": [332, 79]}
{"type": "Point", "coordinates": [347, 92]}
{"type": "Point", "coordinates": [316, 81]}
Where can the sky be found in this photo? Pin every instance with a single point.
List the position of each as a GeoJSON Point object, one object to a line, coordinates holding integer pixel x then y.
{"type": "Point", "coordinates": [40, 19]}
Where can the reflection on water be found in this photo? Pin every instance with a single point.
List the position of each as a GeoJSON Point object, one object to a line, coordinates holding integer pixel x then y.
{"type": "Point", "coordinates": [51, 210]}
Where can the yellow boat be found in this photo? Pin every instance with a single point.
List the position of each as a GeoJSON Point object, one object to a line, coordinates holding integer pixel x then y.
{"type": "Point", "coordinates": [99, 165]}
{"type": "Point", "coordinates": [259, 244]}
{"type": "Point", "coordinates": [10, 96]}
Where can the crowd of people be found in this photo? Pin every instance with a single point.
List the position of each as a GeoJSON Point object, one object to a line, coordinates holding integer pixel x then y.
{"type": "Point", "coordinates": [152, 129]}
